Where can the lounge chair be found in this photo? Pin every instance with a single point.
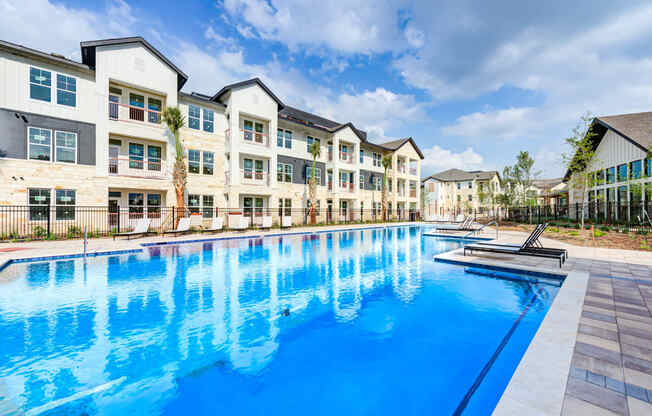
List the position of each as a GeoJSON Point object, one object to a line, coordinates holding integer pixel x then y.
{"type": "Point", "coordinates": [216, 225]}
{"type": "Point", "coordinates": [459, 218]}
{"type": "Point", "coordinates": [286, 221]}
{"type": "Point", "coordinates": [238, 222]}
{"type": "Point", "coordinates": [530, 247]}
{"type": "Point", "coordinates": [267, 222]}
{"type": "Point", "coordinates": [465, 225]}
{"type": "Point", "coordinates": [196, 222]}
{"type": "Point", "coordinates": [141, 229]}
{"type": "Point", "coordinates": [182, 228]}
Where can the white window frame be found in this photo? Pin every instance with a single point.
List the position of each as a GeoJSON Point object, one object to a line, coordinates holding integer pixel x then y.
{"type": "Point", "coordinates": [310, 140]}
{"type": "Point", "coordinates": [204, 121]}
{"type": "Point", "coordinates": [29, 144]}
{"type": "Point", "coordinates": [317, 176]}
{"type": "Point", "coordinates": [198, 162]}
{"type": "Point", "coordinates": [283, 172]}
{"type": "Point", "coordinates": [66, 90]}
{"type": "Point", "coordinates": [203, 163]}
{"type": "Point", "coordinates": [29, 80]}
{"type": "Point", "coordinates": [56, 147]}
{"type": "Point", "coordinates": [199, 126]}
{"type": "Point", "coordinates": [56, 205]}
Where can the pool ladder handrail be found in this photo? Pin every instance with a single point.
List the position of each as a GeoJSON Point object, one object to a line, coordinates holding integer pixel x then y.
{"type": "Point", "coordinates": [494, 222]}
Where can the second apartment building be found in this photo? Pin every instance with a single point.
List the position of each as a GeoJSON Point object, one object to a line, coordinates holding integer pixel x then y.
{"type": "Point", "coordinates": [89, 133]}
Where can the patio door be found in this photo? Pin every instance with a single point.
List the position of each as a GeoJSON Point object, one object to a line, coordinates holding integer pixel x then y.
{"type": "Point", "coordinates": [114, 153]}
{"type": "Point", "coordinates": [344, 207]}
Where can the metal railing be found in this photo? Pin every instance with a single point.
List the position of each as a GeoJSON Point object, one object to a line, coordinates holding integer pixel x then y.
{"type": "Point", "coordinates": [125, 112]}
{"type": "Point", "coordinates": [69, 221]}
{"type": "Point", "coordinates": [346, 157]}
{"type": "Point", "coordinates": [137, 168]}
{"type": "Point", "coordinates": [252, 177]}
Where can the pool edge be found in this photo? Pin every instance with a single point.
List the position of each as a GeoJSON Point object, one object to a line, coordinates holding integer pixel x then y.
{"type": "Point", "coordinates": [538, 384]}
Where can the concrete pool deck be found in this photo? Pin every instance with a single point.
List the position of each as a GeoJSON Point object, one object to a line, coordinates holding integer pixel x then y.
{"type": "Point", "coordinates": [592, 354]}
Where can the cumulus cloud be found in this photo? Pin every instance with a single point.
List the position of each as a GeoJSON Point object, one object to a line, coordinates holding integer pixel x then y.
{"type": "Point", "coordinates": [438, 159]}
{"type": "Point", "coordinates": [510, 123]}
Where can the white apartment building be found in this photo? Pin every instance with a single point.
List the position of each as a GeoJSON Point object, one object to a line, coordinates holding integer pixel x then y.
{"type": "Point", "coordinates": [455, 191]}
{"type": "Point", "coordinates": [89, 133]}
{"type": "Point", "coordinates": [621, 165]}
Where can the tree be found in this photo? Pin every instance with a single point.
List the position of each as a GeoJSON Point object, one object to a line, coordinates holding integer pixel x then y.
{"type": "Point", "coordinates": [315, 151]}
{"type": "Point", "coordinates": [387, 162]}
{"type": "Point", "coordinates": [578, 160]}
{"type": "Point", "coordinates": [519, 179]}
{"type": "Point", "coordinates": [175, 120]}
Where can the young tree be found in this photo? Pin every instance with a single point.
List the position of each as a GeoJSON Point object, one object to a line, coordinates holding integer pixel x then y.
{"type": "Point", "coordinates": [387, 162]}
{"type": "Point", "coordinates": [315, 151]}
{"type": "Point", "coordinates": [173, 118]}
{"type": "Point", "coordinates": [578, 160]}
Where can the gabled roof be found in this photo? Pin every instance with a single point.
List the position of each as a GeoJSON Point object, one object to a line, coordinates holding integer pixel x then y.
{"type": "Point", "coordinates": [397, 144]}
{"type": "Point", "coordinates": [252, 81]}
{"type": "Point", "coordinates": [88, 53]}
{"type": "Point", "coordinates": [200, 97]}
{"type": "Point", "coordinates": [456, 175]}
{"type": "Point", "coordinates": [636, 128]}
{"type": "Point", "coordinates": [23, 50]}
{"type": "Point", "coordinates": [547, 183]}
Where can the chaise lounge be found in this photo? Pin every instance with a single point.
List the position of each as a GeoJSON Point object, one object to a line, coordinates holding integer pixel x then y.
{"type": "Point", "coordinates": [141, 229]}
{"type": "Point", "coordinates": [182, 228]}
{"type": "Point", "coordinates": [530, 247]}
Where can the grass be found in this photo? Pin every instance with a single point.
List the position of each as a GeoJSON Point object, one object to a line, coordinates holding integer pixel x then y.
{"type": "Point", "coordinates": [598, 233]}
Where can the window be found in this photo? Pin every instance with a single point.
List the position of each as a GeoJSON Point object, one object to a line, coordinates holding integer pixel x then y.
{"type": "Point", "coordinates": [309, 141]}
{"type": "Point", "coordinates": [153, 205]}
{"type": "Point", "coordinates": [194, 161]}
{"type": "Point", "coordinates": [317, 174]}
{"type": "Point", "coordinates": [260, 133]}
{"type": "Point", "coordinates": [153, 158]}
{"type": "Point", "coordinates": [154, 110]}
{"type": "Point", "coordinates": [648, 168]}
{"type": "Point", "coordinates": [635, 169]}
{"type": "Point", "coordinates": [470, 198]}
{"type": "Point", "coordinates": [284, 172]}
{"type": "Point", "coordinates": [248, 127]}
{"type": "Point", "coordinates": [377, 159]}
{"type": "Point", "coordinates": [40, 142]}
{"type": "Point", "coordinates": [65, 204]}
{"type": "Point", "coordinates": [208, 158]}
{"type": "Point", "coordinates": [361, 181]}
{"type": "Point", "coordinates": [288, 139]}
{"type": "Point", "coordinates": [65, 146]}
{"type": "Point", "coordinates": [208, 120]}
{"type": "Point", "coordinates": [611, 175]}
{"type": "Point", "coordinates": [39, 203]}
{"type": "Point", "coordinates": [194, 203]}
{"type": "Point", "coordinates": [361, 156]}
{"type": "Point", "coordinates": [193, 116]}
{"type": "Point", "coordinates": [599, 177]}
{"type": "Point", "coordinates": [470, 185]}
{"type": "Point", "coordinates": [137, 105]}
{"type": "Point", "coordinates": [136, 155]}
{"type": "Point", "coordinates": [136, 203]}
{"type": "Point", "coordinates": [279, 138]}
{"type": "Point", "coordinates": [248, 168]}
{"type": "Point", "coordinates": [207, 204]}
{"type": "Point", "coordinates": [459, 198]}
{"type": "Point", "coordinates": [40, 82]}
{"type": "Point", "coordinates": [622, 172]}
{"type": "Point", "coordinates": [459, 185]}
{"type": "Point", "coordinates": [284, 207]}
{"type": "Point", "coordinates": [379, 183]}
{"type": "Point", "coordinates": [66, 90]}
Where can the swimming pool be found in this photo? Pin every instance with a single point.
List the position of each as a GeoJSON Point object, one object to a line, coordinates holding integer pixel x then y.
{"type": "Point", "coordinates": [356, 322]}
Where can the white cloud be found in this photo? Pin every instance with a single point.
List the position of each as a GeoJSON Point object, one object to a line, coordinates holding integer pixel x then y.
{"type": "Point", "coordinates": [415, 37]}
{"type": "Point", "coordinates": [496, 124]}
{"type": "Point", "coordinates": [437, 159]}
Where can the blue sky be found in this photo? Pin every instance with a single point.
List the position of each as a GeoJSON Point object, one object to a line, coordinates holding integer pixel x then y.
{"type": "Point", "coordinates": [473, 82]}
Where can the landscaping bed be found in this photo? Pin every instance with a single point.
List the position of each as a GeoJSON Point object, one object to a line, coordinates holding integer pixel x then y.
{"type": "Point", "coordinates": [602, 236]}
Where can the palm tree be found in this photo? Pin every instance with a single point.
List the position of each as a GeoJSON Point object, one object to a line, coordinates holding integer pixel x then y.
{"type": "Point", "coordinates": [315, 151]}
{"type": "Point", "coordinates": [175, 120]}
{"type": "Point", "coordinates": [387, 162]}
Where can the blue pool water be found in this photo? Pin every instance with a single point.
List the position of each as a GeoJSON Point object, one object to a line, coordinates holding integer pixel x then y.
{"type": "Point", "coordinates": [355, 323]}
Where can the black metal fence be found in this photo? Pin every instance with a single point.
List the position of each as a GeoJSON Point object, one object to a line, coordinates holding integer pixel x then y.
{"type": "Point", "coordinates": [57, 222]}
{"type": "Point", "coordinates": [632, 214]}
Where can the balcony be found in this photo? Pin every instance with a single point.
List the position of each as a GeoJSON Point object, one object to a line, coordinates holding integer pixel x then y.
{"type": "Point", "coordinates": [347, 186]}
{"type": "Point", "coordinates": [346, 157]}
{"type": "Point", "coordinates": [129, 113]}
{"type": "Point", "coordinates": [413, 193]}
{"type": "Point", "coordinates": [250, 136]}
{"type": "Point", "coordinates": [137, 168]}
{"type": "Point", "coordinates": [250, 177]}
{"type": "Point", "coordinates": [330, 186]}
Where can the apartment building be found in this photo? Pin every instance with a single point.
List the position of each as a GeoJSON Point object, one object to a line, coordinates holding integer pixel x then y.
{"type": "Point", "coordinates": [454, 191]}
{"type": "Point", "coordinates": [90, 133]}
{"type": "Point", "coordinates": [550, 192]}
{"type": "Point", "coordinates": [622, 167]}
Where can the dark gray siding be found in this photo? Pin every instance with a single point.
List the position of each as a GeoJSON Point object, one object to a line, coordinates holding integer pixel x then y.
{"type": "Point", "coordinates": [13, 134]}
{"type": "Point", "coordinates": [299, 168]}
{"type": "Point", "coordinates": [368, 178]}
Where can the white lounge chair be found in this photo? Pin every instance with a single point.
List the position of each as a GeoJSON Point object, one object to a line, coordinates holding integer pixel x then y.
{"type": "Point", "coordinates": [216, 225]}
{"type": "Point", "coordinates": [459, 218]}
{"type": "Point", "coordinates": [238, 222]}
{"type": "Point", "coordinates": [267, 222]}
{"type": "Point", "coordinates": [196, 221]}
{"type": "Point", "coordinates": [141, 228]}
{"type": "Point", "coordinates": [286, 221]}
{"type": "Point", "coordinates": [182, 227]}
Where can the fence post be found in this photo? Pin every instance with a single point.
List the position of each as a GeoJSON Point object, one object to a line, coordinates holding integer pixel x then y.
{"type": "Point", "coordinates": [49, 210]}
{"type": "Point", "coordinates": [118, 214]}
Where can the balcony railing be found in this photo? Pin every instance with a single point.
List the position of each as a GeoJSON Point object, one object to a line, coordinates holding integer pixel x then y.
{"type": "Point", "coordinates": [250, 136]}
{"type": "Point", "coordinates": [347, 186]}
{"type": "Point", "coordinates": [124, 112]}
{"type": "Point", "coordinates": [251, 177]}
{"type": "Point", "coordinates": [346, 157]}
{"type": "Point", "coordinates": [137, 168]}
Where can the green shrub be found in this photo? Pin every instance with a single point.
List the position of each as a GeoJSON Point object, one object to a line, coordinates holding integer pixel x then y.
{"type": "Point", "coordinates": [553, 229]}
{"type": "Point", "coordinates": [598, 233]}
{"type": "Point", "coordinates": [40, 232]}
{"type": "Point", "coordinates": [574, 233]}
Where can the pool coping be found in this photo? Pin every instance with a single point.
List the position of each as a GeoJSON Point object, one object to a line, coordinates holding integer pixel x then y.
{"type": "Point", "coordinates": [457, 237]}
{"type": "Point", "coordinates": [538, 384]}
